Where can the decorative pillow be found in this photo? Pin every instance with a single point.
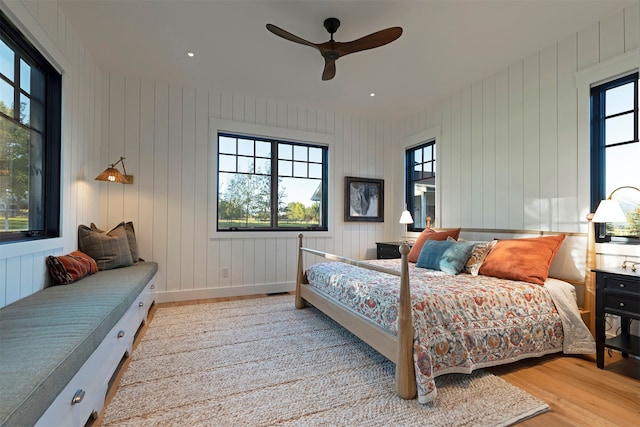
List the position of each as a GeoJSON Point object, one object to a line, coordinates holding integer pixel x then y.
{"type": "Point", "coordinates": [70, 268]}
{"type": "Point", "coordinates": [109, 251]}
{"type": "Point", "coordinates": [527, 260]}
{"type": "Point", "coordinates": [478, 254]}
{"type": "Point", "coordinates": [429, 234]}
{"type": "Point", "coordinates": [131, 237]}
{"type": "Point", "coordinates": [444, 255]}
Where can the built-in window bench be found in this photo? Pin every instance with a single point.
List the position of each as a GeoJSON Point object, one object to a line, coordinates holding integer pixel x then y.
{"type": "Point", "coordinates": [60, 346]}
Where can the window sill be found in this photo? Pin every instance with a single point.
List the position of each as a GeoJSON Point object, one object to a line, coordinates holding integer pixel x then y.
{"type": "Point", "coordinates": [26, 247]}
{"type": "Point", "coordinates": [217, 235]}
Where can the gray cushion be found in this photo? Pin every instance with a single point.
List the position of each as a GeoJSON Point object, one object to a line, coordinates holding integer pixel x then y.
{"type": "Point", "coordinates": [109, 250]}
{"type": "Point", "coordinates": [46, 337]}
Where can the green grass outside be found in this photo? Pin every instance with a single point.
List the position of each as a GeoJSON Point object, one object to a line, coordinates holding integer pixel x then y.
{"type": "Point", "coordinates": [252, 223]}
{"type": "Point", "coordinates": [15, 224]}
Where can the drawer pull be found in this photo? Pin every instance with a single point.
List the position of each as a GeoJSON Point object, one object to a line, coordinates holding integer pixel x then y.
{"type": "Point", "coordinates": [621, 285]}
{"type": "Point", "coordinates": [120, 334]}
{"type": "Point", "coordinates": [77, 397]}
{"type": "Point", "coordinates": [621, 304]}
{"type": "Point", "coordinates": [140, 304]}
{"type": "Point", "coordinates": [153, 286]}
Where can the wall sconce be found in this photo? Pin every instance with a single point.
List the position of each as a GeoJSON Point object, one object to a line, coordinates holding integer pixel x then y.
{"type": "Point", "coordinates": [112, 174]}
{"type": "Point", "coordinates": [405, 219]}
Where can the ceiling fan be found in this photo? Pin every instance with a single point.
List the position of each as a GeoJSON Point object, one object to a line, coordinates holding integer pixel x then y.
{"type": "Point", "coordinates": [333, 50]}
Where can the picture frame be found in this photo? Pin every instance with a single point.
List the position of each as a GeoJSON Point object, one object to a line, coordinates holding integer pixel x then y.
{"type": "Point", "coordinates": [363, 199]}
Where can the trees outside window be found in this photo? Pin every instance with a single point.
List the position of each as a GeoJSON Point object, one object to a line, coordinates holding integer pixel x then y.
{"type": "Point", "coordinates": [30, 123]}
{"type": "Point", "coordinates": [271, 185]}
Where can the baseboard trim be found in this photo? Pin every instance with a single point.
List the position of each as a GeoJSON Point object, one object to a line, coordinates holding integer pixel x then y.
{"type": "Point", "coordinates": [223, 292]}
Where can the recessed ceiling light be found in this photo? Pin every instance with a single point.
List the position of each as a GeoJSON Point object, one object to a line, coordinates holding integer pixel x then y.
{"type": "Point", "coordinates": [372, 94]}
{"type": "Point", "coordinates": [191, 54]}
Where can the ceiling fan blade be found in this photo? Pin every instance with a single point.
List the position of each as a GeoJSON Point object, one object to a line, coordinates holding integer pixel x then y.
{"type": "Point", "coordinates": [377, 39]}
{"type": "Point", "coordinates": [329, 69]}
{"type": "Point", "coordinates": [291, 37]}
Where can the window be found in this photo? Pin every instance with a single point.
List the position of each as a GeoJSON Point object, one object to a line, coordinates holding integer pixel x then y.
{"type": "Point", "coordinates": [421, 184]}
{"type": "Point", "coordinates": [615, 154]}
{"type": "Point", "coordinates": [269, 185]}
{"type": "Point", "coordinates": [30, 120]}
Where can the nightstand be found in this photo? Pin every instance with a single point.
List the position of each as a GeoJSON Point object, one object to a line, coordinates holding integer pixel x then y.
{"type": "Point", "coordinates": [618, 293]}
{"type": "Point", "coordinates": [389, 250]}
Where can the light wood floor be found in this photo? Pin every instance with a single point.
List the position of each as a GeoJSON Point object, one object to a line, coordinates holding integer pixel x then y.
{"type": "Point", "coordinates": [578, 393]}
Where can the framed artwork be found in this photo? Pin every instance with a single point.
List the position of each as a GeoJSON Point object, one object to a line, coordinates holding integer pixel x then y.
{"type": "Point", "coordinates": [363, 199]}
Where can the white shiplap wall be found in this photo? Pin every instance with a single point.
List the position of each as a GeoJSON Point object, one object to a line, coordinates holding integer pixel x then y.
{"type": "Point", "coordinates": [163, 131]}
{"type": "Point", "coordinates": [510, 155]}
{"type": "Point", "coordinates": [22, 265]}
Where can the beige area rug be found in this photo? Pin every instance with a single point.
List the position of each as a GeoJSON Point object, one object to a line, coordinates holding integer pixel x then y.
{"type": "Point", "coordinates": [262, 362]}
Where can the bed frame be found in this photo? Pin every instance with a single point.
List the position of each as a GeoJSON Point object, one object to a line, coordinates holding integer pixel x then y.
{"type": "Point", "coordinates": [399, 349]}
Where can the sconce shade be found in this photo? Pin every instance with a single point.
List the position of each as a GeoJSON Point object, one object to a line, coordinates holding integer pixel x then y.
{"type": "Point", "coordinates": [111, 175]}
{"type": "Point", "coordinates": [609, 211]}
{"type": "Point", "coordinates": [406, 218]}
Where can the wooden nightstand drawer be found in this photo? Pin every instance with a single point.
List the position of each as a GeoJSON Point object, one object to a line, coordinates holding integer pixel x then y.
{"type": "Point", "coordinates": [621, 284]}
{"type": "Point", "coordinates": [621, 304]}
{"type": "Point", "coordinates": [388, 250]}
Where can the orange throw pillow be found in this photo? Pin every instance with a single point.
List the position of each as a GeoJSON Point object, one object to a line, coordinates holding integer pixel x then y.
{"type": "Point", "coordinates": [429, 234]}
{"type": "Point", "coordinates": [527, 260]}
{"type": "Point", "coordinates": [66, 269]}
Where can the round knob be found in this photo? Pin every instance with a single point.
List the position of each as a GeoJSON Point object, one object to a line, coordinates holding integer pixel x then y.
{"type": "Point", "coordinates": [621, 304]}
{"type": "Point", "coordinates": [621, 285]}
{"type": "Point", "coordinates": [140, 304]}
{"type": "Point", "coordinates": [120, 334]}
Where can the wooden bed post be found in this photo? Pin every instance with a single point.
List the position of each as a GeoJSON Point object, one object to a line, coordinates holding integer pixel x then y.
{"type": "Point", "coordinates": [300, 275]}
{"type": "Point", "coordinates": [589, 283]}
{"type": "Point", "coordinates": [405, 374]}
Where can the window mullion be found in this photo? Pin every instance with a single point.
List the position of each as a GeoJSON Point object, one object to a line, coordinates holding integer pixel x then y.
{"type": "Point", "coordinates": [274, 185]}
{"type": "Point", "coordinates": [16, 87]}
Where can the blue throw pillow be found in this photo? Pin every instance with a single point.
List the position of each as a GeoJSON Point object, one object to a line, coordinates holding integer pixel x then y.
{"type": "Point", "coordinates": [444, 255]}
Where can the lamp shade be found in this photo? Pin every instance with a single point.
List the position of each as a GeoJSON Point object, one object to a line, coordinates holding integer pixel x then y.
{"type": "Point", "coordinates": [406, 218]}
{"type": "Point", "coordinates": [111, 174]}
{"type": "Point", "coordinates": [609, 211]}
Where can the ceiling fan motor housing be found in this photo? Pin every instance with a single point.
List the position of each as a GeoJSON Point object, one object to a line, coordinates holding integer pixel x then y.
{"type": "Point", "coordinates": [332, 25]}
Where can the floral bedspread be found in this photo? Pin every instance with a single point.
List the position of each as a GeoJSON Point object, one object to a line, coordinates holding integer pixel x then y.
{"type": "Point", "coordinates": [461, 323]}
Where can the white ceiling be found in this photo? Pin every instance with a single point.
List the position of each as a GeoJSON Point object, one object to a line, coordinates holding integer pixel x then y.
{"type": "Point", "coordinates": [446, 45]}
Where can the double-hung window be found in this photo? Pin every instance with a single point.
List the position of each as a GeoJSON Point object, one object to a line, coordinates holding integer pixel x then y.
{"type": "Point", "coordinates": [615, 155]}
{"type": "Point", "coordinates": [30, 123]}
{"type": "Point", "coordinates": [421, 184]}
{"type": "Point", "coordinates": [270, 185]}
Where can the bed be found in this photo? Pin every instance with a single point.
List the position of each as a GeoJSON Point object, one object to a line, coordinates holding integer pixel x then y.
{"type": "Point", "coordinates": [430, 323]}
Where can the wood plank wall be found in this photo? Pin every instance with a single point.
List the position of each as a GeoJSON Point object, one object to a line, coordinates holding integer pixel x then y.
{"type": "Point", "coordinates": [509, 155]}
{"type": "Point", "coordinates": [508, 158]}
{"type": "Point", "coordinates": [163, 131]}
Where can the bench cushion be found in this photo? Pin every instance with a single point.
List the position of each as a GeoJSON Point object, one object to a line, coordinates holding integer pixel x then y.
{"type": "Point", "coordinates": [46, 337]}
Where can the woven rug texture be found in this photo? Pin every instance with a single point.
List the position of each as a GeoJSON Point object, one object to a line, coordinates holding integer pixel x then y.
{"type": "Point", "coordinates": [262, 362]}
